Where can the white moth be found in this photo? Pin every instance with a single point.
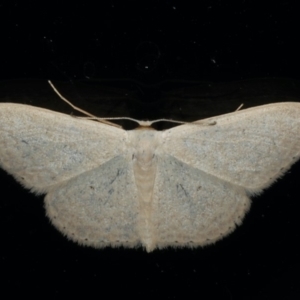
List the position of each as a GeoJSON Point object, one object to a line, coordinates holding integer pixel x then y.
{"type": "Point", "coordinates": [186, 186]}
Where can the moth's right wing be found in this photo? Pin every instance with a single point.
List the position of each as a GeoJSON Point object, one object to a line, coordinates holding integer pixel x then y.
{"type": "Point", "coordinates": [249, 148]}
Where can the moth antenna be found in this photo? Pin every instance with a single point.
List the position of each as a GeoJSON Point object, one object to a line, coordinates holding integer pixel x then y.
{"type": "Point", "coordinates": [240, 107]}
{"type": "Point", "coordinates": [102, 120]}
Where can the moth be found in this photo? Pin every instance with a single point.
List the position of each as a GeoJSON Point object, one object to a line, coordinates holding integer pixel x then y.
{"type": "Point", "coordinates": [183, 187]}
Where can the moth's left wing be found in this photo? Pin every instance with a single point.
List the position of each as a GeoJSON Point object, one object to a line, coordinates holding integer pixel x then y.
{"type": "Point", "coordinates": [42, 148]}
{"type": "Point", "coordinates": [99, 207]}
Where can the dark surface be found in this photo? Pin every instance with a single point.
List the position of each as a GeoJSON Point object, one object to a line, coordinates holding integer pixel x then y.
{"type": "Point", "coordinates": [164, 59]}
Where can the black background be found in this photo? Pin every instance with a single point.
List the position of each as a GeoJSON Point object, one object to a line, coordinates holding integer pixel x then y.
{"type": "Point", "coordinates": [147, 60]}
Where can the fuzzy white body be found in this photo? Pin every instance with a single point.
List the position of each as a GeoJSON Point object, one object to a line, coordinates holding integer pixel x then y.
{"type": "Point", "coordinates": [186, 186]}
